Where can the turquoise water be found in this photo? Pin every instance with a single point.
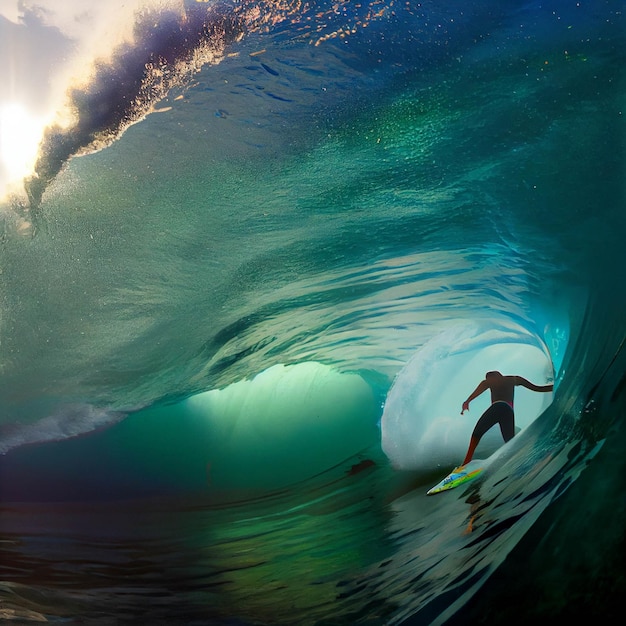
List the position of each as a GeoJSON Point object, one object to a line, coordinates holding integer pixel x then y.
{"type": "Point", "coordinates": [235, 335]}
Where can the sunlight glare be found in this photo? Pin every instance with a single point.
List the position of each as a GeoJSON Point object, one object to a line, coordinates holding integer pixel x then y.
{"type": "Point", "coordinates": [20, 136]}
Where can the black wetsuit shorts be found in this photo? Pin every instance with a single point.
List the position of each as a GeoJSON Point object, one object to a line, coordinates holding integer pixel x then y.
{"type": "Point", "coordinates": [499, 412]}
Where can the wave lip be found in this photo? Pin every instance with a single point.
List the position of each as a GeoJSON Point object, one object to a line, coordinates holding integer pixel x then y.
{"type": "Point", "coordinates": [167, 46]}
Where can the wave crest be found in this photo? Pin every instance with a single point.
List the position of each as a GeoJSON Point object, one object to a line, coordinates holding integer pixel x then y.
{"type": "Point", "coordinates": [167, 47]}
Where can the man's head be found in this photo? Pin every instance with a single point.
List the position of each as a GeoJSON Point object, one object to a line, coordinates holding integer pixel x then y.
{"type": "Point", "coordinates": [494, 374]}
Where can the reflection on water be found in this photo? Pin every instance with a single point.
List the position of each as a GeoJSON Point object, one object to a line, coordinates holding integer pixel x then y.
{"type": "Point", "coordinates": [272, 559]}
{"type": "Point", "coordinates": [365, 545]}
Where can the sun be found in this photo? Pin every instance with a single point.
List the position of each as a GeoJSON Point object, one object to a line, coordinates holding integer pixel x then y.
{"type": "Point", "coordinates": [20, 136]}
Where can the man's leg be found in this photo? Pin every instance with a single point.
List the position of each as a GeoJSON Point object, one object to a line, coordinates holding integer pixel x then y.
{"type": "Point", "coordinates": [486, 421]}
{"type": "Point", "coordinates": [470, 451]}
{"type": "Point", "coordinates": [507, 422]}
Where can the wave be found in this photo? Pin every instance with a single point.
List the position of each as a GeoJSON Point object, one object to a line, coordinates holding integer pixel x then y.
{"type": "Point", "coordinates": [272, 253]}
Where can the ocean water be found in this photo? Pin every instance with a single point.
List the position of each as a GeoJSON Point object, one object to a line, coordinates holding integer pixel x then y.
{"type": "Point", "coordinates": [262, 254]}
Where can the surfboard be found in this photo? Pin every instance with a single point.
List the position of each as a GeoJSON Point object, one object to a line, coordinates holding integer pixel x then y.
{"type": "Point", "coordinates": [459, 476]}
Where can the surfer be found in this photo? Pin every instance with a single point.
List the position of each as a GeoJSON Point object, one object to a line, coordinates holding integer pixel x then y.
{"type": "Point", "coordinates": [501, 409]}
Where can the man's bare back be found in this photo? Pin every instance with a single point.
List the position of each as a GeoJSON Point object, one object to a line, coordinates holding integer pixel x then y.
{"type": "Point", "coordinates": [502, 388]}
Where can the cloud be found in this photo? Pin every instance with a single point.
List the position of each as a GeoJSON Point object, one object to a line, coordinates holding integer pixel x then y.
{"type": "Point", "coordinates": [10, 10]}
{"type": "Point", "coordinates": [30, 54]}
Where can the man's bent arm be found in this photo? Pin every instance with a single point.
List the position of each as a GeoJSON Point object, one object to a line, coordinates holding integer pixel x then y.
{"type": "Point", "coordinates": [482, 386]}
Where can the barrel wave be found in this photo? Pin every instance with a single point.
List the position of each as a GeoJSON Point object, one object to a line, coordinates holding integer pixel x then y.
{"type": "Point", "coordinates": [253, 258]}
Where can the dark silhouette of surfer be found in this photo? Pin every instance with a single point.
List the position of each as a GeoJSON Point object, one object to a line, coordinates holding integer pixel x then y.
{"type": "Point", "coordinates": [501, 410]}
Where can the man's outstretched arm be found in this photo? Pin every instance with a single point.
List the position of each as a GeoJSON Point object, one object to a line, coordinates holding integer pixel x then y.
{"type": "Point", "coordinates": [519, 380]}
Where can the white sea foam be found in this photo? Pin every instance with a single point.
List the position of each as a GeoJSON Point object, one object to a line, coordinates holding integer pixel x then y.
{"type": "Point", "coordinates": [71, 421]}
